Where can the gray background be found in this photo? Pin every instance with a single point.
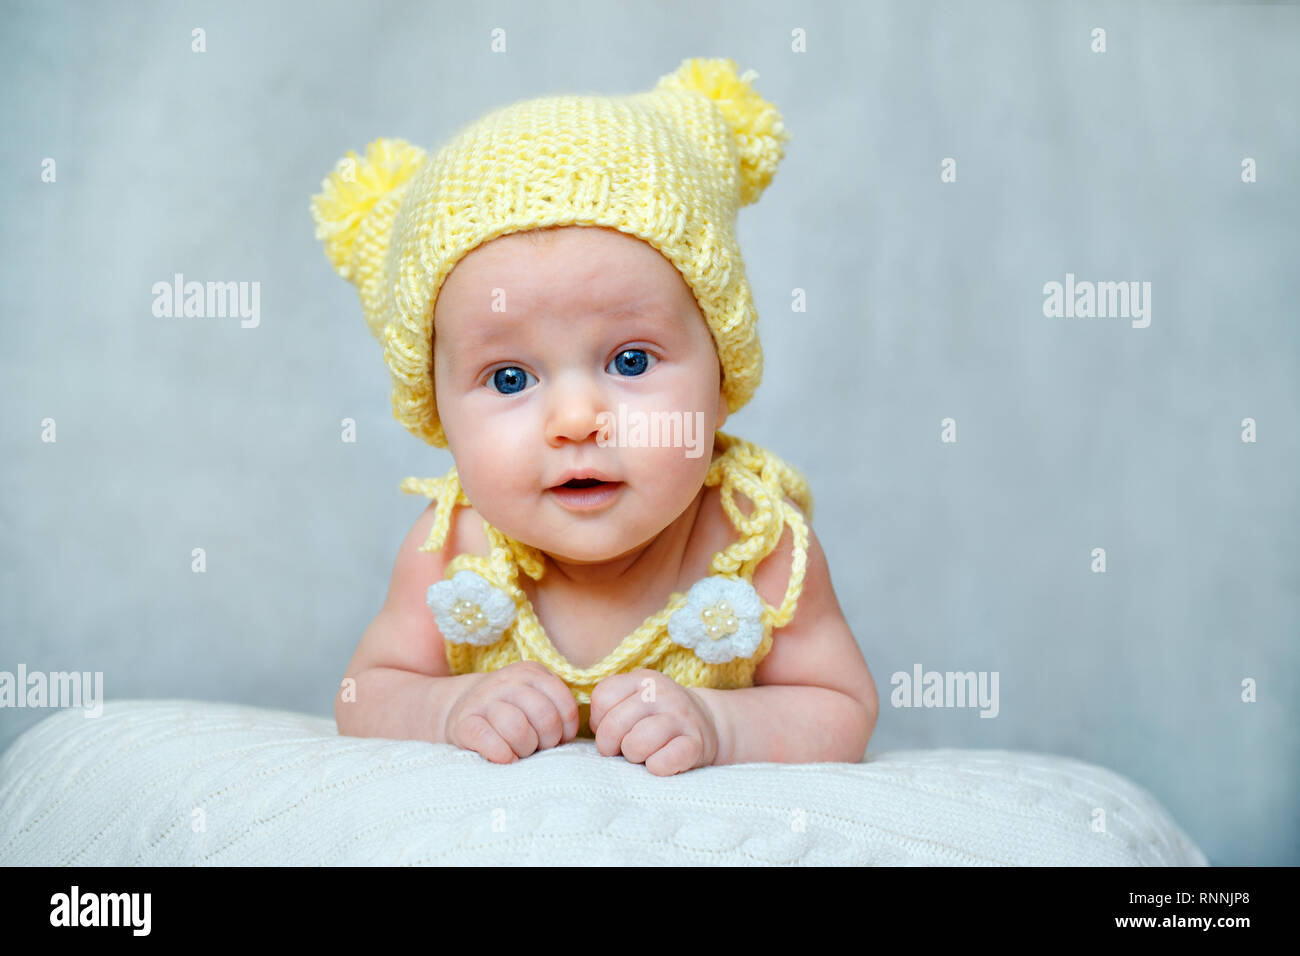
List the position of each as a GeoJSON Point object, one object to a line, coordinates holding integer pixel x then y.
{"type": "Point", "coordinates": [924, 302]}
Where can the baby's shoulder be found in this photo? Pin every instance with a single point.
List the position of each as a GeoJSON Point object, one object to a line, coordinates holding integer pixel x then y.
{"type": "Point", "coordinates": [714, 532]}
{"type": "Point", "coordinates": [466, 532]}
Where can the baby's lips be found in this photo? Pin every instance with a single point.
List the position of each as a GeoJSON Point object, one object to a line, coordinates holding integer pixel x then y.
{"type": "Point", "coordinates": [587, 482]}
{"type": "Point", "coordinates": [584, 472]}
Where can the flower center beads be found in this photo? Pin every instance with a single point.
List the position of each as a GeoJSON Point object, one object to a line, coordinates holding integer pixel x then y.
{"type": "Point", "coordinates": [719, 622]}
{"type": "Point", "coordinates": [469, 615]}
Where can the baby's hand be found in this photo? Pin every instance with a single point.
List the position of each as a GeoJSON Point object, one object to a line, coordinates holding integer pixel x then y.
{"type": "Point", "coordinates": [652, 719]}
{"type": "Point", "coordinates": [513, 712]}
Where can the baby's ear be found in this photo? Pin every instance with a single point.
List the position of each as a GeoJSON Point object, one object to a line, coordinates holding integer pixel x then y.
{"type": "Point", "coordinates": [722, 411]}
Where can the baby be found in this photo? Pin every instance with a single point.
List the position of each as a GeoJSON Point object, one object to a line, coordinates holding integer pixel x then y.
{"type": "Point", "coordinates": [560, 274]}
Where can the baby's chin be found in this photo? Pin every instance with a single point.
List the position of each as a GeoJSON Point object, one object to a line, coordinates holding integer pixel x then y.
{"type": "Point", "coordinates": [591, 556]}
{"type": "Point", "coordinates": [592, 545]}
{"type": "Point", "coordinates": [629, 525]}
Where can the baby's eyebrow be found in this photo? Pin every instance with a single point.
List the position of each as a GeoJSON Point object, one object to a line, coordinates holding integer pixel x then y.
{"type": "Point", "coordinates": [492, 330]}
{"type": "Point", "coordinates": [639, 307]}
{"type": "Point", "coordinates": [486, 332]}
{"type": "Point", "coordinates": [653, 310]}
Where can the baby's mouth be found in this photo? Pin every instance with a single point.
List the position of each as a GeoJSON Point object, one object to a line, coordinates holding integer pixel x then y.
{"type": "Point", "coordinates": [586, 493]}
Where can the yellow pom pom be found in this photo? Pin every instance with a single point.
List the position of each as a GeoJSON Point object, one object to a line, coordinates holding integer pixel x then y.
{"type": "Point", "coordinates": [755, 123]}
{"type": "Point", "coordinates": [352, 190]}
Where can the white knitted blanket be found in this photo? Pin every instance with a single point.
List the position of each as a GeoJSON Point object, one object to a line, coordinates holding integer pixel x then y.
{"type": "Point", "coordinates": [195, 783]}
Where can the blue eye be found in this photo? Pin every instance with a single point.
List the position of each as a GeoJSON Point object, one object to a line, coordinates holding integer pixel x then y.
{"type": "Point", "coordinates": [510, 379]}
{"type": "Point", "coordinates": [631, 362]}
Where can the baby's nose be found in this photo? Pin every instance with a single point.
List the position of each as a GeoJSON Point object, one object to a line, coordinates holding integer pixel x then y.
{"type": "Point", "coordinates": [574, 406]}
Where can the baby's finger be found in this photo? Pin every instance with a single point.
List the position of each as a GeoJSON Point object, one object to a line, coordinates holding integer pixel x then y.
{"type": "Point", "coordinates": [649, 735]}
{"type": "Point", "coordinates": [541, 711]}
{"type": "Point", "coordinates": [477, 734]}
{"type": "Point", "coordinates": [546, 682]}
{"type": "Point", "coordinates": [680, 754]}
{"type": "Point", "coordinates": [616, 724]}
{"type": "Point", "coordinates": [611, 692]}
{"type": "Point", "coordinates": [513, 726]}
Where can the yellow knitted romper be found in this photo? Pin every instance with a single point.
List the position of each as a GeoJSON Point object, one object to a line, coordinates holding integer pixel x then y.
{"type": "Point", "coordinates": [713, 636]}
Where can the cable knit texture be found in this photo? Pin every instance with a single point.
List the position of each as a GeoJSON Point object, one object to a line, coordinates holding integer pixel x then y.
{"type": "Point", "coordinates": [671, 166]}
{"type": "Point", "coordinates": [192, 783]}
{"type": "Point", "coordinates": [675, 640]}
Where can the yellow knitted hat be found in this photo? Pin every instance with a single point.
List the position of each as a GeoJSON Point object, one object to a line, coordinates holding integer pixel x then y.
{"type": "Point", "coordinates": [671, 166]}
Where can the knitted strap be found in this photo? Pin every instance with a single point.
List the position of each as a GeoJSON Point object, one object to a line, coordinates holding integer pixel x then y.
{"type": "Point", "coordinates": [643, 647]}
{"type": "Point", "coordinates": [448, 493]}
{"type": "Point", "coordinates": [505, 554]}
{"type": "Point", "coordinates": [514, 553]}
{"type": "Point", "coordinates": [798, 564]}
{"type": "Point", "coordinates": [766, 482]}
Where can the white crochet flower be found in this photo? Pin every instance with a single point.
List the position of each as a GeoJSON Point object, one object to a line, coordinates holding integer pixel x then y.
{"type": "Point", "coordinates": [469, 610]}
{"type": "Point", "coordinates": [720, 621]}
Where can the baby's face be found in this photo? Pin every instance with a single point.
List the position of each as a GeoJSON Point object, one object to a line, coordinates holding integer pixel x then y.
{"type": "Point", "coordinates": [536, 336]}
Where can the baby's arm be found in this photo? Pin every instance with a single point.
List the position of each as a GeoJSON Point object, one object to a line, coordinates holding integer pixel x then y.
{"type": "Point", "coordinates": [813, 699]}
{"type": "Point", "coordinates": [402, 688]}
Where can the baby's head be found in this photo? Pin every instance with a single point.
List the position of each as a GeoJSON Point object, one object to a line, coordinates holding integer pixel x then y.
{"type": "Point", "coordinates": [594, 328]}
{"type": "Point", "coordinates": [557, 258]}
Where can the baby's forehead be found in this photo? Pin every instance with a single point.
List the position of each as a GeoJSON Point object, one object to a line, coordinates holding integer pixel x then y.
{"type": "Point", "coordinates": [566, 271]}
{"type": "Point", "coordinates": [653, 316]}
